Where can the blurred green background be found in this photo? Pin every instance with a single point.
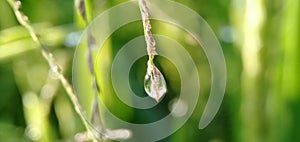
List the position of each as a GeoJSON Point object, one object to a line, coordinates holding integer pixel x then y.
{"type": "Point", "coordinates": [260, 41]}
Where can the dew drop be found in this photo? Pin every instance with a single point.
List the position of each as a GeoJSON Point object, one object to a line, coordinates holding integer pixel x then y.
{"type": "Point", "coordinates": [154, 83]}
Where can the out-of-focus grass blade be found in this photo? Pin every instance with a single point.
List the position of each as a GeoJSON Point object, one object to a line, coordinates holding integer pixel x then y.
{"type": "Point", "coordinates": [290, 79]}
{"type": "Point", "coordinates": [83, 12]}
{"type": "Point", "coordinates": [96, 119]}
{"type": "Point", "coordinates": [12, 49]}
{"type": "Point", "coordinates": [16, 40]}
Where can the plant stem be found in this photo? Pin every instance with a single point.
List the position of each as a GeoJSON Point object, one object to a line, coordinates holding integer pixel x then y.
{"type": "Point", "coordinates": [81, 6]}
{"type": "Point", "coordinates": [23, 20]}
{"type": "Point", "coordinates": [151, 50]}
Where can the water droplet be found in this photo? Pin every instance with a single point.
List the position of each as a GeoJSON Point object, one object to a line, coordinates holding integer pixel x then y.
{"type": "Point", "coordinates": [154, 83]}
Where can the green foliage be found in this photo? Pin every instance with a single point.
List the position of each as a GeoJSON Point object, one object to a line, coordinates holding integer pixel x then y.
{"type": "Point", "coordinates": [264, 106]}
